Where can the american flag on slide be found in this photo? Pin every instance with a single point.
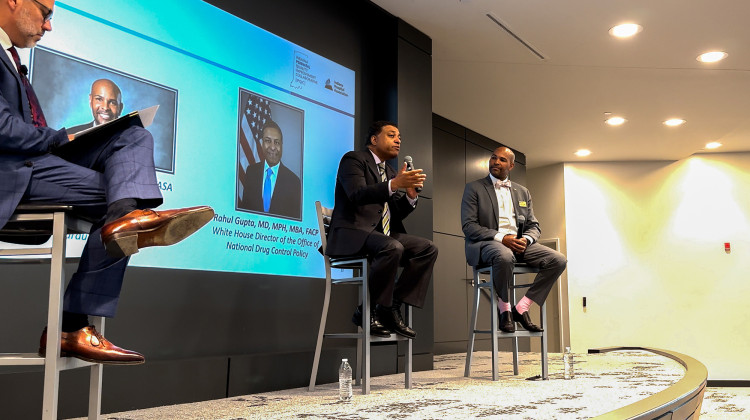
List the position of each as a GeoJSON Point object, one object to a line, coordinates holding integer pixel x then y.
{"type": "Point", "coordinates": [255, 112]}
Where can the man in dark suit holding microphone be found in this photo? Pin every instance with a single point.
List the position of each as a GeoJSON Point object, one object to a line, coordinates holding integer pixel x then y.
{"type": "Point", "coordinates": [500, 228]}
{"type": "Point", "coordinates": [367, 219]}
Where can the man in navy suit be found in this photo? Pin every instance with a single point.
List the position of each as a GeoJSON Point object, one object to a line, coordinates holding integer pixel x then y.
{"type": "Point", "coordinates": [269, 186]}
{"type": "Point", "coordinates": [368, 219]}
{"type": "Point", "coordinates": [113, 182]}
{"type": "Point", "coordinates": [500, 229]}
{"type": "Point", "coordinates": [106, 104]}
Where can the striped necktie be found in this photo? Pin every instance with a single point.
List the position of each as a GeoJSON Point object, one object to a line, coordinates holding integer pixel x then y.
{"type": "Point", "coordinates": [386, 210]}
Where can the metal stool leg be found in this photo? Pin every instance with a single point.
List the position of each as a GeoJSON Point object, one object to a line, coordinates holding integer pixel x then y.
{"type": "Point", "coordinates": [544, 342]}
{"type": "Point", "coordinates": [472, 326]}
{"type": "Point", "coordinates": [54, 321]}
{"type": "Point", "coordinates": [409, 348]}
{"type": "Point", "coordinates": [493, 328]}
{"type": "Point", "coordinates": [512, 295]}
{"type": "Point", "coordinates": [95, 379]}
{"type": "Point", "coordinates": [321, 329]}
{"type": "Point", "coordinates": [365, 336]}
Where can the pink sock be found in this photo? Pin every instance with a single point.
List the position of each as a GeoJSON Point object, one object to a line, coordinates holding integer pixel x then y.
{"type": "Point", "coordinates": [503, 306]}
{"type": "Point", "coordinates": [523, 305]}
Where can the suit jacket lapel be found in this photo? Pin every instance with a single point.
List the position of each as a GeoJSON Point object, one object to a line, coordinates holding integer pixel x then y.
{"type": "Point", "coordinates": [10, 66]}
{"type": "Point", "coordinates": [371, 166]}
{"type": "Point", "coordinates": [487, 183]}
{"type": "Point", "coordinates": [25, 110]}
{"type": "Point", "coordinates": [518, 196]}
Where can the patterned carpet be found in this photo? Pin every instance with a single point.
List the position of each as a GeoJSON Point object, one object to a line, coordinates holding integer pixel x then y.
{"type": "Point", "coordinates": [602, 382]}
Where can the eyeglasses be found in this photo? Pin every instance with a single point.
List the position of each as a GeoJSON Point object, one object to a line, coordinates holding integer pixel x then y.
{"type": "Point", "coordinates": [46, 11]}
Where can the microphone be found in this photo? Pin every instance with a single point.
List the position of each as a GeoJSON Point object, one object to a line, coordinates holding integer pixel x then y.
{"type": "Point", "coordinates": [410, 167]}
{"type": "Point", "coordinates": [521, 224]}
{"type": "Point", "coordinates": [24, 70]}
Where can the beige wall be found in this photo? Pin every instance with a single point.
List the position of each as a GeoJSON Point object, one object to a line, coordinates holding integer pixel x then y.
{"type": "Point", "coordinates": [548, 197]}
{"type": "Point", "coordinates": [645, 245]}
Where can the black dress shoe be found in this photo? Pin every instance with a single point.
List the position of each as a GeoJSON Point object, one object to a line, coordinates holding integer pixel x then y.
{"type": "Point", "coordinates": [525, 321]}
{"type": "Point", "coordinates": [376, 328]}
{"type": "Point", "coordinates": [391, 318]}
{"type": "Point", "coordinates": [506, 323]}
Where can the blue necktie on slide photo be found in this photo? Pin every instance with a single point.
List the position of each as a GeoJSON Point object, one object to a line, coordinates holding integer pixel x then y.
{"type": "Point", "coordinates": [267, 190]}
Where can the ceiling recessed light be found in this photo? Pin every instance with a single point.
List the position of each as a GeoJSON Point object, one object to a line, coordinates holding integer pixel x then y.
{"type": "Point", "coordinates": [713, 145]}
{"type": "Point", "coordinates": [615, 120]}
{"type": "Point", "coordinates": [583, 152]}
{"type": "Point", "coordinates": [712, 56]}
{"type": "Point", "coordinates": [674, 122]}
{"type": "Point", "coordinates": [625, 30]}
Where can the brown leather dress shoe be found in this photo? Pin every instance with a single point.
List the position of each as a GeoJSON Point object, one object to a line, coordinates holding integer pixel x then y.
{"type": "Point", "coordinates": [87, 344]}
{"type": "Point", "coordinates": [143, 228]}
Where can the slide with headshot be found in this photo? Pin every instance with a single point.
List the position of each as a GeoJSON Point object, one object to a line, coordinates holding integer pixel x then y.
{"type": "Point", "coordinates": [251, 124]}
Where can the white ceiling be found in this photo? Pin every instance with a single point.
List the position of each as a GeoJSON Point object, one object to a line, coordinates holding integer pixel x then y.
{"type": "Point", "coordinates": [548, 108]}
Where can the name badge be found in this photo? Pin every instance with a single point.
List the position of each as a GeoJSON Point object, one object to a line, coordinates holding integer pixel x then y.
{"type": "Point", "coordinates": [522, 203]}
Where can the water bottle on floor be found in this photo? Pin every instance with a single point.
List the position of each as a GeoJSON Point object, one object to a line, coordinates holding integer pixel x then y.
{"type": "Point", "coordinates": [568, 364]}
{"type": "Point", "coordinates": [345, 381]}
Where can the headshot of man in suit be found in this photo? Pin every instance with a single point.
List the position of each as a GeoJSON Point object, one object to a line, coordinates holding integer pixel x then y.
{"type": "Point", "coordinates": [269, 186]}
{"type": "Point", "coordinates": [106, 104]}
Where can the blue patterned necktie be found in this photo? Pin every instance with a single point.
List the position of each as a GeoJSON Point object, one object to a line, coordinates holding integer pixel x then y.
{"type": "Point", "coordinates": [386, 210]}
{"type": "Point", "coordinates": [267, 190]}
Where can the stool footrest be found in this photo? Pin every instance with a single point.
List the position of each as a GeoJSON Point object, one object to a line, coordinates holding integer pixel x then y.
{"type": "Point", "coordinates": [373, 339]}
{"type": "Point", "coordinates": [26, 251]}
{"type": "Point", "coordinates": [502, 334]}
{"type": "Point", "coordinates": [21, 359]}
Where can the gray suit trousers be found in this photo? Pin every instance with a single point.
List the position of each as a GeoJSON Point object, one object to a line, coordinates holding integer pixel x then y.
{"type": "Point", "coordinates": [550, 262]}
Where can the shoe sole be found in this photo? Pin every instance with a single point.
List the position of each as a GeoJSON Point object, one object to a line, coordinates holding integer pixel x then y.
{"type": "Point", "coordinates": [406, 335]}
{"type": "Point", "coordinates": [175, 230]}
{"type": "Point", "coordinates": [532, 330]}
{"type": "Point", "coordinates": [402, 334]}
{"type": "Point", "coordinates": [42, 353]}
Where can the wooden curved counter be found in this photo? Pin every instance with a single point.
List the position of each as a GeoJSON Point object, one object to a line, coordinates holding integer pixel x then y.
{"type": "Point", "coordinates": [680, 401]}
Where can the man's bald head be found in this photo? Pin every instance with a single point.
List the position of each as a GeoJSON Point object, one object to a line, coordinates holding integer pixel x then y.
{"type": "Point", "coordinates": [106, 101]}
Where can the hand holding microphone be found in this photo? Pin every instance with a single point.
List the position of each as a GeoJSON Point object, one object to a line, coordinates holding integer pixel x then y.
{"type": "Point", "coordinates": [520, 241]}
{"type": "Point", "coordinates": [410, 179]}
{"type": "Point", "coordinates": [518, 244]}
{"type": "Point", "coordinates": [521, 225]}
{"type": "Point", "coordinates": [410, 167]}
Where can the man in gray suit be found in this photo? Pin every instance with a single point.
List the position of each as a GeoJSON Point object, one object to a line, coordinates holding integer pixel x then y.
{"type": "Point", "coordinates": [500, 229]}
